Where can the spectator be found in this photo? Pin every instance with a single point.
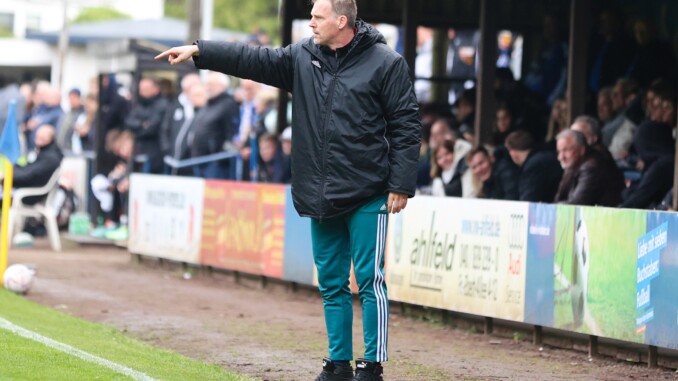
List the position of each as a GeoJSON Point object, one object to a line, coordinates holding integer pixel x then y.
{"type": "Point", "coordinates": [177, 121]}
{"type": "Point", "coordinates": [145, 121]}
{"type": "Point", "coordinates": [69, 120]}
{"type": "Point", "coordinates": [539, 173]}
{"type": "Point", "coordinates": [10, 91]}
{"type": "Point", "coordinates": [504, 125]}
{"type": "Point", "coordinates": [446, 179]}
{"type": "Point", "coordinates": [528, 110]}
{"type": "Point", "coordinates": [48, 112]}
{"type": "Point", "coordinates": [214, 125]}
{"type": "Point", "coordinates": [265, 109]}
{"type": "Point", "coordinates": [81, 137]}
{"type": "Point", "coordinates": [38, 172]}
{"type": "Point", "coordinates": [621, 127]}
{"type": "Point", "coordinates": [604, 105]}
{"type": "Point", "coordinates": [587, 180]}
{"type": "Point", "coordinates": [498, 179]}
{"type": "Point", "coordinates": [557, 122]}
{"type": "Point", "coordinates": [590, 127]}
{"type": "Point", "coordinates": [466, 116]}
{"type": "Point", "coordinates": [113, 108]}
{"type": "Point", "coordinates": [286, 145]}
{"type": "Point", "coordinates": [112, 190]}
{"type": "Point", "coordinates": [271, 161]}
{"type": "Point", "coordinates": [655, 146]}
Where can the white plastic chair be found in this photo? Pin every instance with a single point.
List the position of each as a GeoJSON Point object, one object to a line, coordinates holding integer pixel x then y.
{"type": "Point", "coordinates": [19, 211]}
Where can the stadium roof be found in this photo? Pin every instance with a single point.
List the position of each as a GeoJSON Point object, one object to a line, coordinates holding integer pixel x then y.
{"type": "Point", "coordinates": [166, 31]}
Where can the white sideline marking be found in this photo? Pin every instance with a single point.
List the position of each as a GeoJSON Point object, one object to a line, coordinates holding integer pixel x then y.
{"type": "Point", "coordinates": [73, 351]}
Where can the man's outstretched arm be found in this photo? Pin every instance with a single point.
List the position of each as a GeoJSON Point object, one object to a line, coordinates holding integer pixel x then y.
{"type": "Point", "coordinates": [273, 67]}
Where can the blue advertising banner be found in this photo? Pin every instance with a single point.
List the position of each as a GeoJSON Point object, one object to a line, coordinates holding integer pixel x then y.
{"type": "Point", "coordinates": [657, 281]}
{"type": "Point", "coordinates": [298, 259]}
{"type": "Point", "coordinates": [539, 290]}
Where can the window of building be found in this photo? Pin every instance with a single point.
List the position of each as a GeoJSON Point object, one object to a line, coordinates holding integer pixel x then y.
{"type": "Point", "coordinates": [6, 24]}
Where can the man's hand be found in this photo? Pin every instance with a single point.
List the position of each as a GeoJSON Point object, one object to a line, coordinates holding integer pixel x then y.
{"type": "Point", "coordinates": [396, 202]}
{"type": "Point", "coordinates": [179, 54]}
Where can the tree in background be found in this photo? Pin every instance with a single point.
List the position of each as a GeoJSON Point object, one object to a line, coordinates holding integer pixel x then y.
{"type": "Point", "coordinates": [237, 15]}
{"type": "Point", "coordinates": [95, 14]}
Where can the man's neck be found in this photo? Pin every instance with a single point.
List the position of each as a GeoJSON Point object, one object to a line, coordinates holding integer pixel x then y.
{"type": "Point", "coordinates": [343, 39]}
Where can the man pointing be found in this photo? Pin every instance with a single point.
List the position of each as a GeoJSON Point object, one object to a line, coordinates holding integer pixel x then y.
{"type": "Point", "coordinates": [356, 133]}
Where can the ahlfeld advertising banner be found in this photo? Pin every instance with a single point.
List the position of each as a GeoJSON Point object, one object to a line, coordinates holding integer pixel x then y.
{"type": "Point", "coordinates": [460, 254]}
{"type": "Point", "coordinates": [656, 280]}
{"type": "Point", "coordinates": [596, 257]}
{"type": "Point", "coordinates": [165, 215]}
{"type": "Point", "coordinates": [244, 227]}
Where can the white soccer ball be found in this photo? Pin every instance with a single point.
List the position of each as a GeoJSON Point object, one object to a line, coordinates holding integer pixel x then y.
{"type": "Point", "coordinates": [18, 278]}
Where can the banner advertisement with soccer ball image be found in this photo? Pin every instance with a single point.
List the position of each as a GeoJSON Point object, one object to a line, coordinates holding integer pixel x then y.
{"type": "Point", "coordinates": [461, 255]}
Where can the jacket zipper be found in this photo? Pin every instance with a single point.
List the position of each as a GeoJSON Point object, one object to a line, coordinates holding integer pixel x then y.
{"type": "Point", "coordinates": [325, 140]}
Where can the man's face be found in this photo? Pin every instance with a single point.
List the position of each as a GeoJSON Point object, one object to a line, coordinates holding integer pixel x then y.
{"type": "Point", "coordinates": [503, 120]}
{"type": "Point", "coordinates": [148, 89]}
{"type": "Point", "coordinates": [481, 166]}
{"type": "Point", "coordinates": [266, 150]}
{"type": "Point", "coordinates": [74, 100]}
{"type": "Point", "coordinates": [198, 95]}
{"type": "Point", "coordinates": [324, 23]}
{"type": "Point", "coordinates": [569, 153]}
{"type": "Point", "coordinates": [518, 157]}
{"type": "Point", "coordinates": [444, 158]}
{"type": "Point", "coordinates": [44, 136]}
{"type": "Point", "coordinates": [604, 108]}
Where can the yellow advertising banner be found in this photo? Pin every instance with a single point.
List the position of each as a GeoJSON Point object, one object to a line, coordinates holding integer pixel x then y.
{"type": "Point", "coordinates": [460, 255]}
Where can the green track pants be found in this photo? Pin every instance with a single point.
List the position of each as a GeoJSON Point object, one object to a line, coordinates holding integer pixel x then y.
{"type": "Point", "coordinates": [359, 236]}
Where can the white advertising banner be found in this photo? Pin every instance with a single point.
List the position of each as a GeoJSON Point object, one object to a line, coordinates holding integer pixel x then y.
{"type": "Point", "coordinates": [459, 254]}
{"type": "Point", "coordinates": [165, 216]}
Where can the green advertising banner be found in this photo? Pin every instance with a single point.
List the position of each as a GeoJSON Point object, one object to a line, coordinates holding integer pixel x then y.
{"type": "Point", "coordinates": [595, 270]}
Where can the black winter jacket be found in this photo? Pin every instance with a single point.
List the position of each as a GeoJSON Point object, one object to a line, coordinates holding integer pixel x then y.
{"type": "Point", "coordinates": [214, 124]}
{"type": "Point", "coordinates": [145, 122]}
{"type": "Point", "coordinates": [356, 127]}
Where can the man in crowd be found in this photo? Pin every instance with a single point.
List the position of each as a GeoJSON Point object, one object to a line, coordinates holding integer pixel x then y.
{"type": "Point", "coordinates": [357, 137]}
{"type": "Point", "coordinates": [499, 177]}
{"type": "Point", "coordinates": [587, 179]}
{"type": "Point", "coordinates": [38, 172]}
{"type": "Point", "coordinates": [145, 121]}
{"type": "Point", "coordinates": [539, 173]}
{"type": "Point", "coordinates": [213, 125]}
{"type": "Point", "coordinates": [65, 134]}
{"type": "Point", "coordinates": [177, 121]}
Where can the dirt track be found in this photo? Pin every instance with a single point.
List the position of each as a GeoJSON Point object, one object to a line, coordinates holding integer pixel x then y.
{"type": "Point", "coordinates": [276, 334]}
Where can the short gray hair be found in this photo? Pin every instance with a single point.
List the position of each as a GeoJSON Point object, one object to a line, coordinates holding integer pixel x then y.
{"type": "Point", "coordinates": [346, 8]}
{"type": "Point", "coordinates": [579, 138]}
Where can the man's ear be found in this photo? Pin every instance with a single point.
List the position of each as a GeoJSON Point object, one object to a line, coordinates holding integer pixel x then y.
{"type": "Point", "coordinates": [342, 21]}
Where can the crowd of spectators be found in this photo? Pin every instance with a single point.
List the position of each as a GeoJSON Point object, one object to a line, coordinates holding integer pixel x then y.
{"type": "Point", "coordinates": [621, 154]}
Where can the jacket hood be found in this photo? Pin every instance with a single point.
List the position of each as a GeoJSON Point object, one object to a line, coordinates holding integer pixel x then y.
{"type": "Point", "coordinates": [365, 37]}
{"type": "Point", "coordinates": [653, 140]}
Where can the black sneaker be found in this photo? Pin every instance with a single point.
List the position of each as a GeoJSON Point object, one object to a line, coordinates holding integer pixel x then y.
{"type": "Point", "coordinates": [335, 372]}
{"type": "Point", "coordinates": [368, 371]}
